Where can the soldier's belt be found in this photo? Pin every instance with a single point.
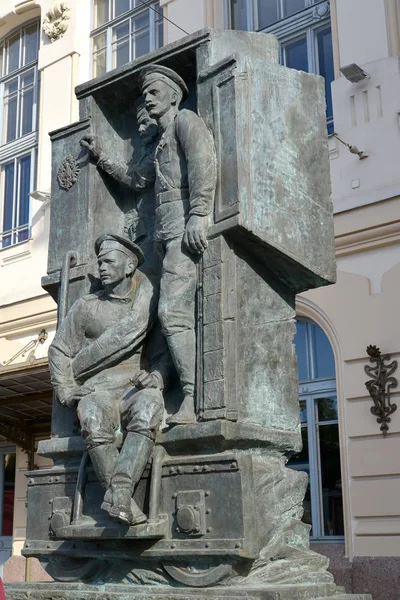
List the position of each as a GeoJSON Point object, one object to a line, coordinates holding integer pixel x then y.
{"type": "Point", "coordinates": [172, 196]}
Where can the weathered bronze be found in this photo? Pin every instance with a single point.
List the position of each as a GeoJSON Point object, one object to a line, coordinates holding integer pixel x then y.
{"type": "Point", "coordinates": [380, 386]}
{"type": "Point", "coordinates": [176, 380]}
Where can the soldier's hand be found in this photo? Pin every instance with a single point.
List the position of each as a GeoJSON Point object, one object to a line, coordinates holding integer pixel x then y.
{"type": "Point", "coordinates": [92, 143]}
{"type": "Point", "coordinates": [145, 380]}
{"type": "Point", "coordinates": [195, 236]}
{"type": "Point", "coordinates": [75, 395]}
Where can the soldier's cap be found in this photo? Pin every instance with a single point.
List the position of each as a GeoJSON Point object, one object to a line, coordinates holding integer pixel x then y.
{"type": "Point", "coordinates": [108, 241]}
{"type": "Point", "coordinates": [159, 73]}
{"type": "Point", "coordinates": [140, 108]}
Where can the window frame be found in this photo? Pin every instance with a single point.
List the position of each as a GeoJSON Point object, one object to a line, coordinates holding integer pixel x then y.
{"type": "Point", "coordinates": [24, 144]}
{"type": "Point", "coordinates": [305, 22]}
{"type": "Point", "coordinates": [108, 27]}
{"type": "Point", "coordinates": [14, 231]}
{"type": "Point", "coordinates": [310, 390]}
{"type": "Point", "coordinates": [6, 539]}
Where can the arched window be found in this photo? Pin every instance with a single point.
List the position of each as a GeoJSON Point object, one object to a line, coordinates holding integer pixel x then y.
{"type": "Point", "coordinates": [320, 456]}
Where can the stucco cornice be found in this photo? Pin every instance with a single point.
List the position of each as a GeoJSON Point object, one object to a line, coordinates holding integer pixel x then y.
{"type": "Point", "coordinates": [23, 6]}
{"type": "Point", "coordinates": [368, 239]}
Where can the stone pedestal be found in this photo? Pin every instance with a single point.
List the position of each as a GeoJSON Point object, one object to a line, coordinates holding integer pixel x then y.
{"type": "Point", "coordinates": [57, 591]}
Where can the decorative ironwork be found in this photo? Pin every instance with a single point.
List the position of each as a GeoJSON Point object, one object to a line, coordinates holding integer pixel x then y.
{"type": "Point", "coordinates": [30, 347]}
{"type": "Point", "coordinates": [68, 172]}
{"type": "Point", "coordinates": [380, 386]}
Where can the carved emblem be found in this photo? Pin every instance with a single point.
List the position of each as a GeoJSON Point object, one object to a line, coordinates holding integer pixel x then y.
{"type": "Point", "coordinates": [68, 172]}
{"type": "Point", "coordinates": [56, 21]}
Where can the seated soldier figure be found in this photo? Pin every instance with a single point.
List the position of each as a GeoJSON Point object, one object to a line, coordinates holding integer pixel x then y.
{"type": "Point", "coordinates": [109, 358]}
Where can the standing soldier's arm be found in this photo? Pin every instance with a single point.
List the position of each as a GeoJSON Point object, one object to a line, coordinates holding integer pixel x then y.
{"type": "Point", "coordinates": [137, 177]}
{"type": "Point", "coordinates": [198, 147]}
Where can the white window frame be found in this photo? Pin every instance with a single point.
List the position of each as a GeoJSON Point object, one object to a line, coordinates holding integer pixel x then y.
{"type": "Point", "coordinates": [16, 197]}
{"type": "Point", "coordinates": [128, 16]}
{"type": "Point", "coordinates": [22, 145]}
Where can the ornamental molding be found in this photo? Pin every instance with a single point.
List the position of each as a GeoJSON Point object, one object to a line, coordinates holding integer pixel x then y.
{"type": "Point", "coordinates": [368, 239]}
{"type": "Point", "coordinates": [56, 21]}
{"type": "Point", "coordinates": [68, 172]}
{"type": "Point", "coordinates": [24, 5]}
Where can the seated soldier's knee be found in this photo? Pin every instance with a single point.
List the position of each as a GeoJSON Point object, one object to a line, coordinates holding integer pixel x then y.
{"type": "Point", "coordinates": [144, 413]}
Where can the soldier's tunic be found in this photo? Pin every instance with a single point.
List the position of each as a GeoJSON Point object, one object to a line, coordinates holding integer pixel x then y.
{"type": "Point", "coordinates": [185, 183]}
{"type": "Point", "coordinates": [103, 343]}
{"type": "Point", "coordinates": [183, 171]}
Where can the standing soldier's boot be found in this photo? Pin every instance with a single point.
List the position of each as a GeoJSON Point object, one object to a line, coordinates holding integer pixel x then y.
{"type": "Point", "coordinates": [132, 461]}
{"type": "Point", "coordinates": [183, 350]}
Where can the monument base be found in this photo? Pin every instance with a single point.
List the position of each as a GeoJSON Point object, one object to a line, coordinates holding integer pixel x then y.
{"type": "Point", "coordinates": [79, 591]}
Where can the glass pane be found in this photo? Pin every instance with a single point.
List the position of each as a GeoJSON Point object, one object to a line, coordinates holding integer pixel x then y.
{"type": "Point", "coordinates": [8, 171]}
{"type": "Point", "coordinates": [101, 12]}
{"type": "Point", "coordinates": [141, 22]}
{"type": "Point", "coordinates": [1, 60]}
{"type": "Point", "coordinates": [300, 462]}
{"type": "Point", "coordinates": [327, 409]}
{"type": "Point", "coordinates": [24, 189]}
{"type": "Point", "coordinates": [8, 494]}
{"type": "Point", "coordinates": [99, 42]}
{"type": "Point", "coordinates": [13, 53]}
{"type": "Point", "coordinates": [10, 118]}
{"type": "Point", "coordinates": [159, 28]}
{"type": "Point", "coordinates": [120, 7]}
{"type": "Point", "coordinates": [239, 14]}
{"type": "Point", "coordinates": [267, 12]}
{"type": "Point", "coordinates": [301, 349]}
{"type": "Point", "coordinates": [325, 61]}
{"type": "Point", "coordinates": [99, 63]}
{"type": "Point", "coordinates": [120, 31]}
{"type": "Point", "coordinates": [295, 55]}
{"type": "Point", "coordinates": [121, 49]}
{"type": "Point", "coordinates": [121, 54]}
{"type": "Point", "coordinates": [323, 354]}
{"type": "Point", "coordinates": [31, 44]}
{"type": "Point", "coordinates": [27, 111]}
{"type": "Point", "coordinates": [303, 412]}
{"type": "Point", "coordinates": [141, 44]}
{"type": "Point", "coordinates": [292, 6]}
{"type": "Point", "coordinates": [331, 480]}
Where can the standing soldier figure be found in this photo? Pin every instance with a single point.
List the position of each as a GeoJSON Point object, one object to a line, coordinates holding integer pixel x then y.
{"type": "Point", "coordinates": [185, 178]}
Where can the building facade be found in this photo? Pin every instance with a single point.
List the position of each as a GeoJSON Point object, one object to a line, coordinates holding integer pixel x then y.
{"type": "Point", "coordinates": [46, 49]}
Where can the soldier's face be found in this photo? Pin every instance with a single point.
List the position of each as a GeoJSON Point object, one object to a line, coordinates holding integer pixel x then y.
{"type": "Point", "coordinates": [158, 98]}
{"type": "Point", "coordinates": [114, 268]}
{"type": "Point", "coordinates": [147, 128]}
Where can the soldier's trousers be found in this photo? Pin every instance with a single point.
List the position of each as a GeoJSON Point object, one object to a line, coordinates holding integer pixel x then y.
{"type": "Point", "coordinates": [176, 308]}
{"type": "Point", "coordinates": [102, 415]}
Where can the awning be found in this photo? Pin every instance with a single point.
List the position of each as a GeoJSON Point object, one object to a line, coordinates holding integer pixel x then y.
{"type": "Point", "coordinates": [25, 402]}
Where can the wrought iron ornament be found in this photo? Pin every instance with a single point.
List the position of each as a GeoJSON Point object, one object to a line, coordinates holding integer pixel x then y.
{"type": "Point", "coordinates": [379, 387]}
{"type": "Point", "coordinates": [68, 172]}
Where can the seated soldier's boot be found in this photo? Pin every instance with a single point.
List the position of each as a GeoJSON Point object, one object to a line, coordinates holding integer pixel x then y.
{"type": "Point", "coordinates": [186, 414]}
{"type": "Point", "coordinates": [125, 509]}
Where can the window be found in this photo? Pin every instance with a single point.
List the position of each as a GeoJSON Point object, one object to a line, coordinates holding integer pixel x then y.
{"type": "Point", "coordinates": [304, 32]}
{"type": "Point", "coordinates": [19, 84]}
{"type": "Point", "coordinates": [7, 492]}
{"type": "Point", "coordinates": [320, 456]}
{"type": "Point", "coordinates": [123, 31]}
